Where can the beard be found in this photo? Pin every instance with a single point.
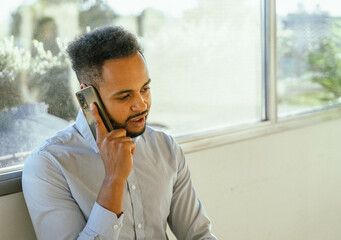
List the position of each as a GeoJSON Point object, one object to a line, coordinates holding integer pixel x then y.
{"type": "Point", "coordinates": [117, 125]}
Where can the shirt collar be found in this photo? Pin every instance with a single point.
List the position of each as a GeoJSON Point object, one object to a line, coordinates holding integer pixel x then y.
{"type": "Point", "coordinates": [85, 131]}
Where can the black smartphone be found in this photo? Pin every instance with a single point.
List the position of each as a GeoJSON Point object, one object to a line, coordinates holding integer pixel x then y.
{"type": "Point", "coordinates": [85, 97]}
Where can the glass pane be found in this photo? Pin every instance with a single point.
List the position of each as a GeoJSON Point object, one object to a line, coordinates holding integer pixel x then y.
{"type": "Point", "coordinates": [206, 66]}
{"type": "Point", "coordinates": [309, 60]}
{"type": "Point", "coordinates": [204, 58]}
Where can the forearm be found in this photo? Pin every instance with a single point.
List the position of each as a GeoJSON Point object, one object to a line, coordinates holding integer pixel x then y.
{"type": "Point", "coordinates": [110, 195]}
{"type": "Point", "coordinates": [116, 150]}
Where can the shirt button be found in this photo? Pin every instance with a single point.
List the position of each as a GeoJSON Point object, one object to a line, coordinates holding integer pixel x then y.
{"type": "Point", "coordinates": [133, 187]}
{"type": "Point", "coordinates": [139, 225]}
{"type": "Point", "coordinates": [115, 227]}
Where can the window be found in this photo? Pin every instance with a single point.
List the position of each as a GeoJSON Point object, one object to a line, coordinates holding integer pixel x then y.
{"type": "Point", "coordinates": [204, 57]}
{"type": "Point", "coordinates": [308, 51]}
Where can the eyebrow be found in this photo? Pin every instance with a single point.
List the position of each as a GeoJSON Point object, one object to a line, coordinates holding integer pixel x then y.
{"type": "Point", "coordinates": [129, 90]}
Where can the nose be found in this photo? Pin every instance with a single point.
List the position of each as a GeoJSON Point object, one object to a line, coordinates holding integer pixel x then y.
{"type": "Point", "coordinates": [139, 104]}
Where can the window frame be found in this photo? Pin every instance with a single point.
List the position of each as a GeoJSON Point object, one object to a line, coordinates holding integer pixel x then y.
{"type": "Point", "coordinates": [10, 182]}
{"type": "Point", "coordinates": [272, 124]}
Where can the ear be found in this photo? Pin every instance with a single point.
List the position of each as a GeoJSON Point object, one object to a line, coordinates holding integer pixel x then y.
{"type": "Point", "coordinates": [83, 85]}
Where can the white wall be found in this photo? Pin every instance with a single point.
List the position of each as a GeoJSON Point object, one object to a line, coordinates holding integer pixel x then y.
{"type": "Point", "coordinates": [281, 186]}
{"type": "Point", "coordinates": [15, 223]}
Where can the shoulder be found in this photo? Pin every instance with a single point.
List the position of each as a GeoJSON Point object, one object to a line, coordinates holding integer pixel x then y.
{"type": "Point", "coordinates": [159, 137]}
{"type": "Point", "coordinates": [45, 155]}
{"type": "Point", "coordinates": [43, 174]}
{"type": "Point", "coordinates": [66, 140]}
{"type": "Point", "coordinates": [162, 142]}
{"type": "Point", "coordinates": [61, 138]}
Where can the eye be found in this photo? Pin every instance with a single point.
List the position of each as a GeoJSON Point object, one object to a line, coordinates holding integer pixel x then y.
{"type": "Point", "coordinates": [124, 97]}
{"type": "Point", "coordinates": [146, 89]}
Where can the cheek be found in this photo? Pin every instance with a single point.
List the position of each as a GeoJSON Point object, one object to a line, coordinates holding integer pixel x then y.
{"type": "Point", "coordinates": [118, 112]}
{"type": "Point", "coordinates": [148, 101]}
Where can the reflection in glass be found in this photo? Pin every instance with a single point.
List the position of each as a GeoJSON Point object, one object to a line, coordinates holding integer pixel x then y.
{"type": "Point", "coordinates": [204, 58]}
{"type": "Point", "coordinates": [308, 53]}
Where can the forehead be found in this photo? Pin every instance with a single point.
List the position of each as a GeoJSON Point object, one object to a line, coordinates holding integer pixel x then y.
{"type": "Point", "coordinates": [124, 73]}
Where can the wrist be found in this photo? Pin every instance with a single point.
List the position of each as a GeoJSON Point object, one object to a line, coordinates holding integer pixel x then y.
{"type": "Point", "coordinates": [114, 181]}
{"type": "Point", "coordinates": [111, 193]}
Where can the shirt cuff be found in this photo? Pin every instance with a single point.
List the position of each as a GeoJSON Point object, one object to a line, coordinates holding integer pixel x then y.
{"type": "Point", "coordinates": [104, 222]}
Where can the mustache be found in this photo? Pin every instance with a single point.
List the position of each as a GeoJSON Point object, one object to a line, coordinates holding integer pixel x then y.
{"type": "Point", "coordinates": [136, 115]}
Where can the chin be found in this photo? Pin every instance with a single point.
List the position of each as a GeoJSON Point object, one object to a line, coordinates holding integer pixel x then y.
{"type": "Point", "coordinates": [135, 134]}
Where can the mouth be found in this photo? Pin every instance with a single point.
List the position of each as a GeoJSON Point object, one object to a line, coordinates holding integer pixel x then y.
{"type": "Point", "coordinates": [138, 121]}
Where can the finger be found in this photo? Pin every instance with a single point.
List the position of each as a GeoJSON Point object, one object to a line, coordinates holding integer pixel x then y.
{"type": "Point", "coordinates": [121, 139]}
{"type": "Point", "coordinates": [117, 133]}
{"type": "Point", "coordinates": [131, 146]}
{"type": "Point", "coordinates": [132, 150]}
{"type": "Point", "coordinates": [101, 130]}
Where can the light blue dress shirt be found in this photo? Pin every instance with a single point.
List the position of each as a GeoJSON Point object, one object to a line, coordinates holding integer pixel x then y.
{"type": "Point", "coordinates": [61, 180]}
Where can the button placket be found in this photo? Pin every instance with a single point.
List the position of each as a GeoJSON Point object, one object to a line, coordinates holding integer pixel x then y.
{"type": "Point", "coordinates": [136, 201]}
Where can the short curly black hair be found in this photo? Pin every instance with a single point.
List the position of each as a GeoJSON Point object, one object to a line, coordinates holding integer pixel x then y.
{"type": "Point", "coordinates": [89, 51]}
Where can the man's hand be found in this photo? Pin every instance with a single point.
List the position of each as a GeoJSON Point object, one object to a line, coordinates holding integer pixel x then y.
{"type": "Point", "coordinates": [116, 150]}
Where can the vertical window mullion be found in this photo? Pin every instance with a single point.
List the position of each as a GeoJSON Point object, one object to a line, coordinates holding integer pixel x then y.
{"type": "Point", "coordinates": [271, 61]}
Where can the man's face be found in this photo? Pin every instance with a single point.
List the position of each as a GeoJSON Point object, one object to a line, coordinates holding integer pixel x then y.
{"type": "Point", "coordinates": [126, 94]}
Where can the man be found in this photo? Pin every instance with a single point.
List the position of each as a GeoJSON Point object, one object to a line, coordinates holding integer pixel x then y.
{"type": "Point", "coordinates": [130, 182]}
